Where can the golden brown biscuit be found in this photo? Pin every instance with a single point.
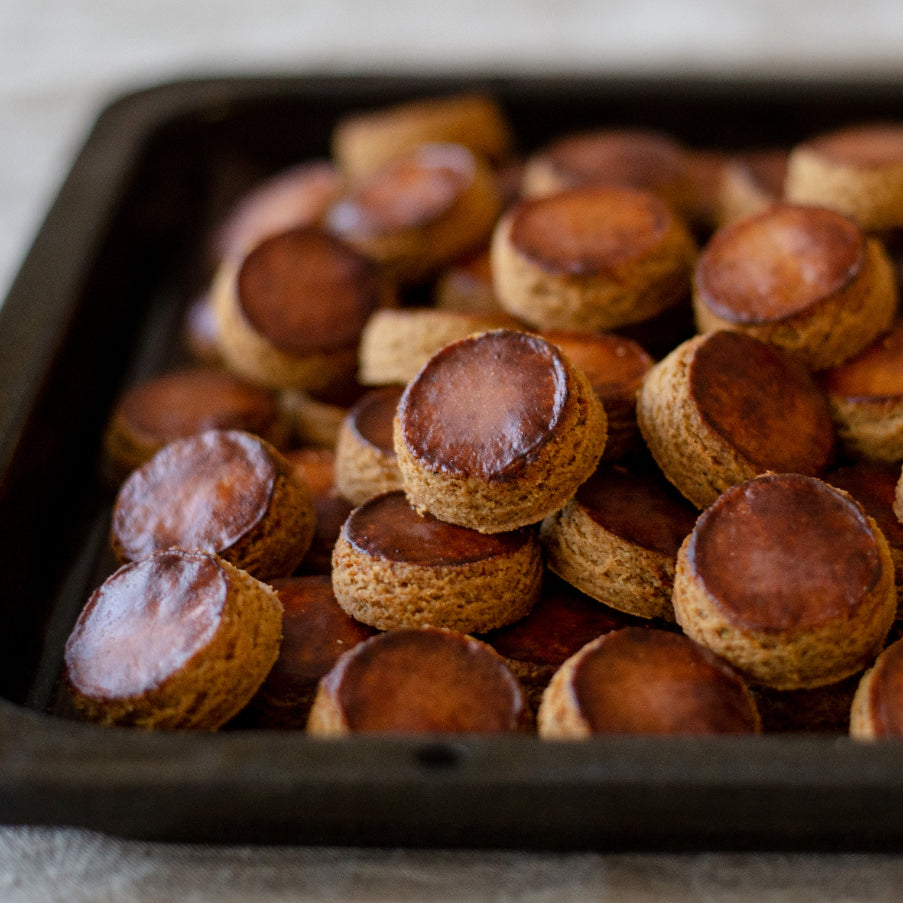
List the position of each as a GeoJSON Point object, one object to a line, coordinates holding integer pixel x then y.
{"type": "Point", "coordinates": [419, 680]}
{"type": "Point", "coordinates": [805, 279]}
{"type": "Point", "coordinates": [856, 170]}
{"type": "Point", "coordinates": [627, 158]}
{"type": "Point", "coordinates": [161, 409]}
{"type": "Point", "coordinates": [617, 539]}
{"type": "Point", "coordinates": [295, 197]}
{"type": "Point", "coordinates": [290, 313]}
{"type": "Point", "coordinates": [393, 567]}
{"type": "Point", "coordinates": [363, 143]}
{"type": "Point", "coordinates": [423, 210]}
{"type": "Point", "coordinates": [224, 491]}
{"type": "Point", "coordinates": [638, 680]}
{"type": "Point", "coordinates": [866, 398]}
{"type": "Point", "coordinates": [497, 431]}
{"type": "Point", "coordinates": [365, 459]}
{"type": "Point", "coordinates": [315, 633]}
{"type": "Point", "coordinates": [174, 640]}
{"type": "Point", "coordinates": [789, 580]}
{"type": "Point", "coordinates": [561, 622]}
{"type": "Point", "coordinates": [395, 344]}
{"type": "Point", "coordinates": [724, 407]}
{"type": "Point", "coordinates": [592, 259]}
{"type": "Point", "coordinates": [877, 708]}
{"type": "Point", "coordinates": [615, 367]}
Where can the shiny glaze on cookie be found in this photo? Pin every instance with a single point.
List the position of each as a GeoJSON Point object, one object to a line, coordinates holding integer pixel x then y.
{"type": "Point", "coordinates": [485, 406]}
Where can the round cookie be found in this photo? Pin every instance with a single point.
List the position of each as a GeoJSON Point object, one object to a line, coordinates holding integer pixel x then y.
{"type": "Point", "coordinates": [419, 680]}
{"type": "Point", "coordinates": [315, 633]}
{"type": "Point", "coordinates": [617, 539]}
{"type": "Point", "coordinates": [497, 431]}
{"type": "Point", "coordinates": [591, 259]}
{"type": "Point", "coordinates": [615, 367]}
{"type": "Point", "coordinates": [421, 211]}
{"type": "Point", "coordinates": [877, 708]}
{"type": "Point", "coordinates": [789, 580]}
{"type": "Point", "coordinates": [393, 567]}
{"type": "Point", "coordinates": [559, 625]}
{"type": "Point", "coordinates": [190, 400]}
{"type": "Point", "coordinates": [805, 279]}
{"type": "Point", "coordinates": [290, 313]}
{"type": "Point", "coordinates": [639, 680]}
{"type": "Point", "coordinates": [724, 407]}
{"type": "Point", "coordinates": [224, 491]}
{"type": "Point", "coordinates": [365, 460]}
{"type": "Point", "coordinates": [396, 343]}
{"type": "Point", "coordinates": [364, 142]}
{"type": "Point", "coordinates": [866, 398]}
{"type": "Point", "coordinates": [295, 197]}
{"type": "Point", "coordinates": [856, 170]}
{"type": "Point", "coordinates": [627, 158]}
{"type": "Point", "coordinates": [174, 640]}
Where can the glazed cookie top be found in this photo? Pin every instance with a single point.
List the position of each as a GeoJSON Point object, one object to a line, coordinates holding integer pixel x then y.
{"type": "Point", "coordinates": [779, 262]}
{"type": "Point", "coordinates": [414, 189]}
{"type": "Point", "coordinates": [205, 491]}
{"type": "Point", "coordinates": [426, 679]}
{"type": "Point", "coordinates": [748, 550]}
{"type": "Point", "coordinates": [388, 527]}
{"type": "Point", "coordinates": [485, 405]}
{"type": "Point", "coordinates": [145, 623]}
{"type": "Point", "coordinates": [306, 291]}
{"type": "Point", "coordinates": [191, 400]}
{"type": "Point", "coordinates": [589, 231]}
{"type": "Point", "coordinates": [876, 372]}
{"type": "Point", "coordinates": [633, 158]}
{"type": "Point", "coordinates": [764, 403]}
{"type": "Point", "coordinates": [638, 504]}
{"type": "Point", "coordinates": [614, 365]}
{"type": "Point", "coordinates": [645, 681]}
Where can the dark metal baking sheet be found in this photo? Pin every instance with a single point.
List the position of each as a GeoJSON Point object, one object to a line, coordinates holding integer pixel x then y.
{"type": "Point", "coordinates": [97, 303]}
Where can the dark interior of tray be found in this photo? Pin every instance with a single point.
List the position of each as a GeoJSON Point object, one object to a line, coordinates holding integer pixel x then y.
{"type": "Point", "coordinates": [206, 142]}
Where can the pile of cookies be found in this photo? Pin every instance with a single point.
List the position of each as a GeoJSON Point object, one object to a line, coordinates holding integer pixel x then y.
{"type": "Point", "coordinates": [605, 437]}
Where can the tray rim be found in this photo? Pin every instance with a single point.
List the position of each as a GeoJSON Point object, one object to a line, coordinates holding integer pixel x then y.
{"type": "Point", "coordinates": [120, 772]}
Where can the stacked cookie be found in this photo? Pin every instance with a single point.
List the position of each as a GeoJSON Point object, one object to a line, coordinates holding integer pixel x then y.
{"type": "Point", "coordinates": [605, 438]}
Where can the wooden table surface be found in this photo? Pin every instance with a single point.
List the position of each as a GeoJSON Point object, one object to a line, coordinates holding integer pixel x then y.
{"type": "Point", "coordinates": [61, 62]}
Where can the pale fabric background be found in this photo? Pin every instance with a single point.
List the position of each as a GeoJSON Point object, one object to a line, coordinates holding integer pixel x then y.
{"type": "Point", "coordinates": [62, 60]}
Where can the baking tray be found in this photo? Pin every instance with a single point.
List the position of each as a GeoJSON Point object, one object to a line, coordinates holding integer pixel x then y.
{"type": "Point", "coordinates": [96, 305]}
